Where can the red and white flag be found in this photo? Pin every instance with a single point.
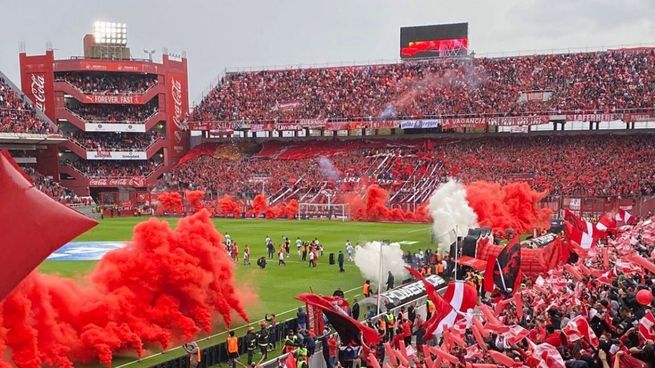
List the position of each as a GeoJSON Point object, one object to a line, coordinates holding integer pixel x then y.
{"type": "Point", "coordinates": [606, 223]}
{"type": "Point", "coordinates": [624, 216]}
{"type": "Point", "coordinates": [515, 334]}
{"type": "Point", "coordinates": [647, 326]}
{"type": "Point", "coordinates": [578, 328]}
{"type": "Point", "coordinates": [583, 239]}
{"type": "Point", "coordinates": [546, 355]}
{"type": "Point", "coordinates": [461, 296]}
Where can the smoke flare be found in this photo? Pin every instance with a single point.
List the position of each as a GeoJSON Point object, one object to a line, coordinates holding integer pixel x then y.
{"type": "Point", "coordinates": [164, 284]}
{"type": "Point", "coordinates": [367, 258]}
{"type": "Point", "coordinates": [195, 197]}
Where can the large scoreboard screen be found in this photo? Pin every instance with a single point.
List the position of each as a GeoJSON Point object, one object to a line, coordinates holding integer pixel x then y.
{"type": "Point", "coordinates": [440, 40]}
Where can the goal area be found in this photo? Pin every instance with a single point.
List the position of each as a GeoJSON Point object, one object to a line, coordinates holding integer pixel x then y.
{"type": "Point", "coordinates": [323, 211]}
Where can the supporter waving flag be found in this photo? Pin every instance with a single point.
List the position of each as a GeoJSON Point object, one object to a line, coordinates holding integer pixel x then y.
{"type": "Point", "coordinates": [625, 217]}
{"type": "Point", "coordinates": [580, 238]}
{"type": "Point", "coordinates": [647, 326]}
{"type": "Point", "coordinates": [504, 271]}
{"type": "Point", "coordinates": [348, 328]}
{"type": "Point", "coordinates": [546, 356]}
{"type": "Point", "coordinates": [578, 328]}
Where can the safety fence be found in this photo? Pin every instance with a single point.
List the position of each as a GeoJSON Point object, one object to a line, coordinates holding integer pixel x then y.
{"type": "Point", "coordinates": [217, 354]}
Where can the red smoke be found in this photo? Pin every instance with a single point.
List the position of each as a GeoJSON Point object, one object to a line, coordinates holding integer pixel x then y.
{"type": "Point", "coordinates": [259, 204]}
{"type": "Point", "coordinates": [228, 206]}
{"type": "Point", "coordinates": [170, 202]}
{"type": "Point", "coordinates": [195, 197]}
{"type": "Point", "coordinates": [164, 285]}
{"type": "Point", "coordinates": [373, 207]}
{"type": "Point", "coordinates": [514, 206]}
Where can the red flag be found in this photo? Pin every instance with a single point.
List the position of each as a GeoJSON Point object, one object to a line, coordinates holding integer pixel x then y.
{"type": "Point", "coordinates": [573, 234]}
{"type": "Point", "coordinates": [33, 225]}
{"type": "Point", "coordinates": [290, 361]}
{"type": "Point", "coordinates": [625, 217]}
{"type": "Point", "coordinates": [442, 307]}
{"type": "Point", "coordinates": [546, 355]}
{"type": "Point", "coordinates": [575, 220]}
{"type": "Point", "coordinates": [647, 326]}
{"type": "Point", "coordinates": [578, 328]}
{"type": "Point", "coordinates": [606, 223]}
{"type": "Point", "coordinates": [347, 327]}
{"type": "Point", "coordinates": [515, 334]}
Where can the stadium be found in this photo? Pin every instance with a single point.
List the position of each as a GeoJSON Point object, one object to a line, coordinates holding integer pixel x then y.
{"type": "Point", "coordinates": [444, 209]}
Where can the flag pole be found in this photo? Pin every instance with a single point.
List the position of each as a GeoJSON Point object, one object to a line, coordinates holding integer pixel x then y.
{"type": "Point", "coordinates": [502, 278]}
{"type": "Point", "coordinates": [456, 249]}
{"type": "Point", "coordinates": [380, 277]}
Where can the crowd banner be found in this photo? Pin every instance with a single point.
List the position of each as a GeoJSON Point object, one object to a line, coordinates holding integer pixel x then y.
{"type": "Point", "coordinates": [517, 120]}
{"type": "Point", "coordinates": [420, 124]}
{"type": "Point", "coordinates": [135, 182]}
{"type": "Point", "coordinates": [593, 117]}
{"type": "Point", "coordinates": [406, 293]}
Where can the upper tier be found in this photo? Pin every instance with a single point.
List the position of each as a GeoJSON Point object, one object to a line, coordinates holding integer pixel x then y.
{"type": "Point", "coordinates": [609, 81]}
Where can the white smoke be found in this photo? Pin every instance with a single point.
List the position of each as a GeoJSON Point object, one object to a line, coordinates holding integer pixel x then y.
{"type": "Point", "coordinates": [451, 212]}
{"type": "Point", "coordinates": [367, 258]}
{"type": "Point", "coordinates": [327, 168]}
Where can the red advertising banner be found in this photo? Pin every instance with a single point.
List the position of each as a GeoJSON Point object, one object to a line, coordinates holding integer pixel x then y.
{"type": "Point", "coordinates": [135, 182]}
{"type": "Point", "coordinates": [135, 66]}
{"type": "Point", "coordinates": [37, 81]}
{"type": "Point", "coordinates": [177, 107]}
{"type": "Point", "coordinates": [114, 99]}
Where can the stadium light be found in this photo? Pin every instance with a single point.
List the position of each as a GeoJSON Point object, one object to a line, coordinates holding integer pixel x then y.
{"type": "Point", "coordinates": [110, 33]}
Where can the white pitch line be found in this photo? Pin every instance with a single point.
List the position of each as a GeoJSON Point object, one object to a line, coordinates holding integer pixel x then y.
{"type": "Point", "coordinates": [417, 230]}
{"type": "Point", "coordinates": [212, 336]}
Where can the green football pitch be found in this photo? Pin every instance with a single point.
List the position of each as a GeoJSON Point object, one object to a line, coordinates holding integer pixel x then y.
{"type": "Point", "coordinates": [276, 286]}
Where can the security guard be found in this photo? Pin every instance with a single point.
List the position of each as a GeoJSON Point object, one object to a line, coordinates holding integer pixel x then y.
{"type": "Point", "coordinates": [366, 289]}
{"type": "Point", "coordinates": [291, 343]}
{"type": "Point", "coordinates": [390, 324]}
{"type": "Point", "coordinates": [232, 350]}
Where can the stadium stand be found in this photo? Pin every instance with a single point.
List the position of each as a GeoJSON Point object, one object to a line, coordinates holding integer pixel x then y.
{"type": "Point", "coordinates": [113, 169]}
{"type": "Point", "coordinates": [606, 165]}
{"type": "Point", "coordinates": [17, 115]}
{"type": "Point", "coordinates": [108, 83]}
{"type": "Point", "coordinates": [115, 113]}
{"type": "Point", "coordinates": [113, 141]}
{"type": "Point", "coordinates": [598, 82]}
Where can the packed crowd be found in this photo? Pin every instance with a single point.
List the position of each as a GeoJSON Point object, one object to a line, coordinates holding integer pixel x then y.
{"type": "Point", "coordinates": [113, 169]}
{"type": "Point", "coordinates": [115, 113]}
{"type": "Point", "coordinates": [16, 115]}
{"type": "Point", "coordinates": [595, 82]}
{"type": "Point", "coordinates": [585, 165]}
{"type": "Point", "coordinates": [49, 186]}
{"type": "Point", "coordinates": [596, 311]}
{"type": "Point", "coordinates": [114, 83]}
{"type": "Point", "coordinates": [114, 141]}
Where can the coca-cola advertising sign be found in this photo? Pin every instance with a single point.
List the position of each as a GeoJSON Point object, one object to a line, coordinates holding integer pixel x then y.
{"type": "Point", "coordinates": [178, 112]}
{"type": "Point", "coordinates": [135, 182]}
{"type": "Point", "coordinates": [38, 91]}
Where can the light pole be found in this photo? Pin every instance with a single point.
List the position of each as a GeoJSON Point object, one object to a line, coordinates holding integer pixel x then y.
{"type": "Point", "coordinates": [149, 52]}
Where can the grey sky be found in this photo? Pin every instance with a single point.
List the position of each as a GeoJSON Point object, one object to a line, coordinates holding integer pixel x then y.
{"type": "Point", "coordinates": [219, 34]}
